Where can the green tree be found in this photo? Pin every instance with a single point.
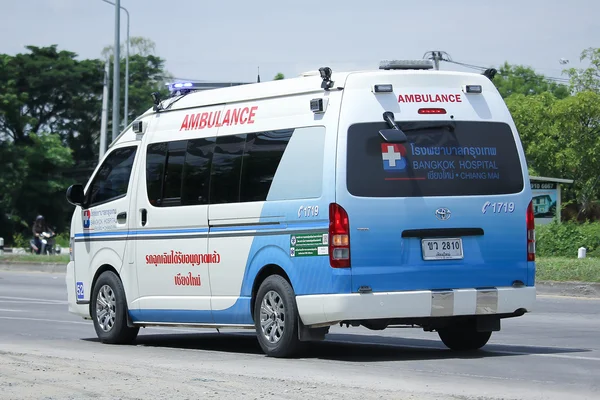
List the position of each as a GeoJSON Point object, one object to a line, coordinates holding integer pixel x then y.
{"type": "Point", "coordinates": [33, 182]}
{"type": "Point", "coordinates": [583, 79]}
{"type": "Point", "coordinates": [50, 110]}
{"type": "Point", "coordinates": [519, 79]}
{"type": "Point", "coordinates": [561, 138]}
{"type": "Point", "coordinates": [46, 90]}
{"type": "Point", "coordinates": [279, 77]}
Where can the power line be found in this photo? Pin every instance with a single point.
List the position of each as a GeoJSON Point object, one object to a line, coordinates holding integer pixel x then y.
{"type": "Point", "coordinates": [449, 59]}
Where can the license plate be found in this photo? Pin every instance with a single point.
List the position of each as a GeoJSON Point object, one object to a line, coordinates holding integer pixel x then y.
{"type": "Point", "coordinates": [442, 249]}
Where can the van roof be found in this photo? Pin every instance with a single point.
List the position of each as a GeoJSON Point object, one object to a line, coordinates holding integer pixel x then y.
{"type": "Point", "coordinates": [306, 83]}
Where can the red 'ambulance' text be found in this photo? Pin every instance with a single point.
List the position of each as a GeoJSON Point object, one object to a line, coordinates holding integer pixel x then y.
{"type": "Point", "coordinates": [215, 119]}
{"type": "Point", "coordinates": [429, 98]}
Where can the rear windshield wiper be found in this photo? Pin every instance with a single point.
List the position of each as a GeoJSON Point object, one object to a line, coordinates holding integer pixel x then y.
{"type": "Point", "coordinates": [395, 134]}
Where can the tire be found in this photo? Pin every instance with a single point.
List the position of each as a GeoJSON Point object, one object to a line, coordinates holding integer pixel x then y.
{"type": "Point", "coordinates": [279, 338]}
{"type": "Point", "coordinates": [109, 311]}
{"type": "Point", "coordinates": [464, 339]}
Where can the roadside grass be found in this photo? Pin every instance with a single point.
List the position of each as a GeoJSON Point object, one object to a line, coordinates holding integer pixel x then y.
{"type": "Point", "coordinates": [563, 269]}
{"type": "Point", "coordinates": [34, 259]}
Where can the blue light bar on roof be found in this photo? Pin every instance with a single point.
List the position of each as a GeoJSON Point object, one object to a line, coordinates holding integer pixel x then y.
{"type": "Point", "coordinates": [174, 87]}
{"type": "Point", "coordinates": [181, 84]}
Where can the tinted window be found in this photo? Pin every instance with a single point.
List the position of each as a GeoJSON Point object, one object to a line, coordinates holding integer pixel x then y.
{"type": "Point", "coordinates": [173, 173]}
{"type": "Point", "coordinates": [472, 158]}
{"type": "Point", "coordinates": [226, 169]}
{"type": "Point", "coordinates": [261, 158]}
{"type": "Point", "coordinates": [112, 180]}
{"type": "Point", "coordinates": [196, 171]}
{"type": "Point", "coordinates": [155, 167]}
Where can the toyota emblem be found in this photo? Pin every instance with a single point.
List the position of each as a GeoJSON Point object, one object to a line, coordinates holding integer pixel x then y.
{"type": "Point", "coordinates": [443, 214]}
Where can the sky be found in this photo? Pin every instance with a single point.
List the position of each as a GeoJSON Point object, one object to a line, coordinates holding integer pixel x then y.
{"type": "Point", "coordinates": [227, 40]}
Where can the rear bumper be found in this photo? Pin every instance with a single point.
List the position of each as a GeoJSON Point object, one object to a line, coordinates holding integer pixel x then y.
{"type": "Point", "coordinates": [334, 308]}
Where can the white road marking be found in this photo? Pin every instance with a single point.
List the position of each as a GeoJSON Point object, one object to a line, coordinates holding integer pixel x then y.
{"type": "Point", "coordinates": [47, 320]}
{"type": "Point", "coordinates": [9, 310]}
{"type": "Point", "coordinates": [567, 356]}
{"type": "Point", "coordinates": [558, 296]}
{"type": "Point", "coordinates": [32, 299]}
{"type": "Point", "coordinates": [49, 303]}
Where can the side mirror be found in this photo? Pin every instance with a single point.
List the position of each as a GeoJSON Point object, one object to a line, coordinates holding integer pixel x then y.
{"type": "Point", "coordinates": [75, 195]}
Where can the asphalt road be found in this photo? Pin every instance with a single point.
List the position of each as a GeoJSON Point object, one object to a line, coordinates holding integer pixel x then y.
{"type": "Point", "coordinates": [553, 353]}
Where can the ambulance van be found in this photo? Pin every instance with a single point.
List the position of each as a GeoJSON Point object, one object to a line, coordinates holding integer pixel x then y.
{"type": "Point", "coordinates": [395, 196]}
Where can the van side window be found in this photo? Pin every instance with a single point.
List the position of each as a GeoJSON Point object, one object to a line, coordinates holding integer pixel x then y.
{"type": "Point", "coordinates": [262, 155]}
{"type": "Point", "coordinates": [173, 174]}
{"type": "Point", "coordinates": [156, 157]}
{"type": "Point", "coordinates": [196, 171]}
{"type": "Point", "coordinates": [164, 168]}
{"type": "Point", "coordinates": [226, 169]}
{"type": "Point", "coordinates": [112, 180]}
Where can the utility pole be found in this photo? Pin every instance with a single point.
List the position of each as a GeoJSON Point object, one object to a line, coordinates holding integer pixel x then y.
{"type": "Point", "coordinates": [126, 107]}
{"type": "Point", "coordinates": [117, 71]}
{"type": "Point", "coordinates": [126, 75]}
{"type": "Point", "coordinates": [104, 122]}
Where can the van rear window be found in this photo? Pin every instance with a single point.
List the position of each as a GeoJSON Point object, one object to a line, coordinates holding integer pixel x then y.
{"type": "Point", "coordinates": [461, 158]}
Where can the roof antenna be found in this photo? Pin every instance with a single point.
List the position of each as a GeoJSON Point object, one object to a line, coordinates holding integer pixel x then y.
{"type": "Point", "coordinates": [258, 80]}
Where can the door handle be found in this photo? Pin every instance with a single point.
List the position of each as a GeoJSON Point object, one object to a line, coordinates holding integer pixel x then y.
{"type": "Point", "coordinates": [122, 217]}
{"type": "Point", "coordinates": [144, 216]}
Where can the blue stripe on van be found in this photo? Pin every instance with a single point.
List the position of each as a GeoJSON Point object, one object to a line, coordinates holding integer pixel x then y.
{"type": "Point", "coordinates": [97, 234]}
{"type": "Point", "coordinates": [278, 227]}
{"type": "Point", "coordinates": [142, 232]}
{"type": "Point", "coordinates": [167, 231]}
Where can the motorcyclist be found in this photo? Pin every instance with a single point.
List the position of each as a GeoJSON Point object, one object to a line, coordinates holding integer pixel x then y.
{"type": "Point", "coordinates": [39, 226]}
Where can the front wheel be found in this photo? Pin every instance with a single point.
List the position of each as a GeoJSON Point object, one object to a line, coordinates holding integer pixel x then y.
{"type": "Point", "coordinates": [109, 311]}
{"type": "Point", "coordinates": [276, 318]}
{"type": "Point", "coordinates": [464, 339]}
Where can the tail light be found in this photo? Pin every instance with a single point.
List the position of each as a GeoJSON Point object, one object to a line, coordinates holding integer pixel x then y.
{"type": "Point", "coordinates": [530, 233]}
{"type": "Point", "coordinates": [432, 111]}
{"type": "Point", "coordinates": [339, 237]}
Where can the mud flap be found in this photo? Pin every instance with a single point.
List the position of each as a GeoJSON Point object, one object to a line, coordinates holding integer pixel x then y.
{"type": "Point", "coordinates": [306, 334]}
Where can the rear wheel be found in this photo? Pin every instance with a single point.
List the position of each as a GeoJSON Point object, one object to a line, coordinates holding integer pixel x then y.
{"type": "Point", "coordinates": [109, 311]}
{"type": "Point", "coordinates": [464, 339]}
{"type": "Point", "coordinates": [276, 318]}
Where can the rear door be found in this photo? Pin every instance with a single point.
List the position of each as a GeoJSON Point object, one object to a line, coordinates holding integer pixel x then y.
{"type": "Point", "coordinates": [445, 209]}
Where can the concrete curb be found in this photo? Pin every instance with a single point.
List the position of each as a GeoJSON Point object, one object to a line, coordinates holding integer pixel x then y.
{"type": "Point", "coordinates": [34, 267]}
{"type": "Point", "coordinates": [573, 289]}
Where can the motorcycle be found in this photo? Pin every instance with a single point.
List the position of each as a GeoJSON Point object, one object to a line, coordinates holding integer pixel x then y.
{"type": "Point", "coordinates": [48, 244]}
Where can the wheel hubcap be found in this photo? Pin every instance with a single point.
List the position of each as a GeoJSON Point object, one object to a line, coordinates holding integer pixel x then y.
{"type": "Point", "coordinates": [106, 310]}
{"type": "Point", "coordinates": [272, 317]}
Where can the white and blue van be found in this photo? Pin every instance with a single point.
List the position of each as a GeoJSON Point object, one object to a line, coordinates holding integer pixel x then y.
{"type": "Point", "coordinates": [397, 196]}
